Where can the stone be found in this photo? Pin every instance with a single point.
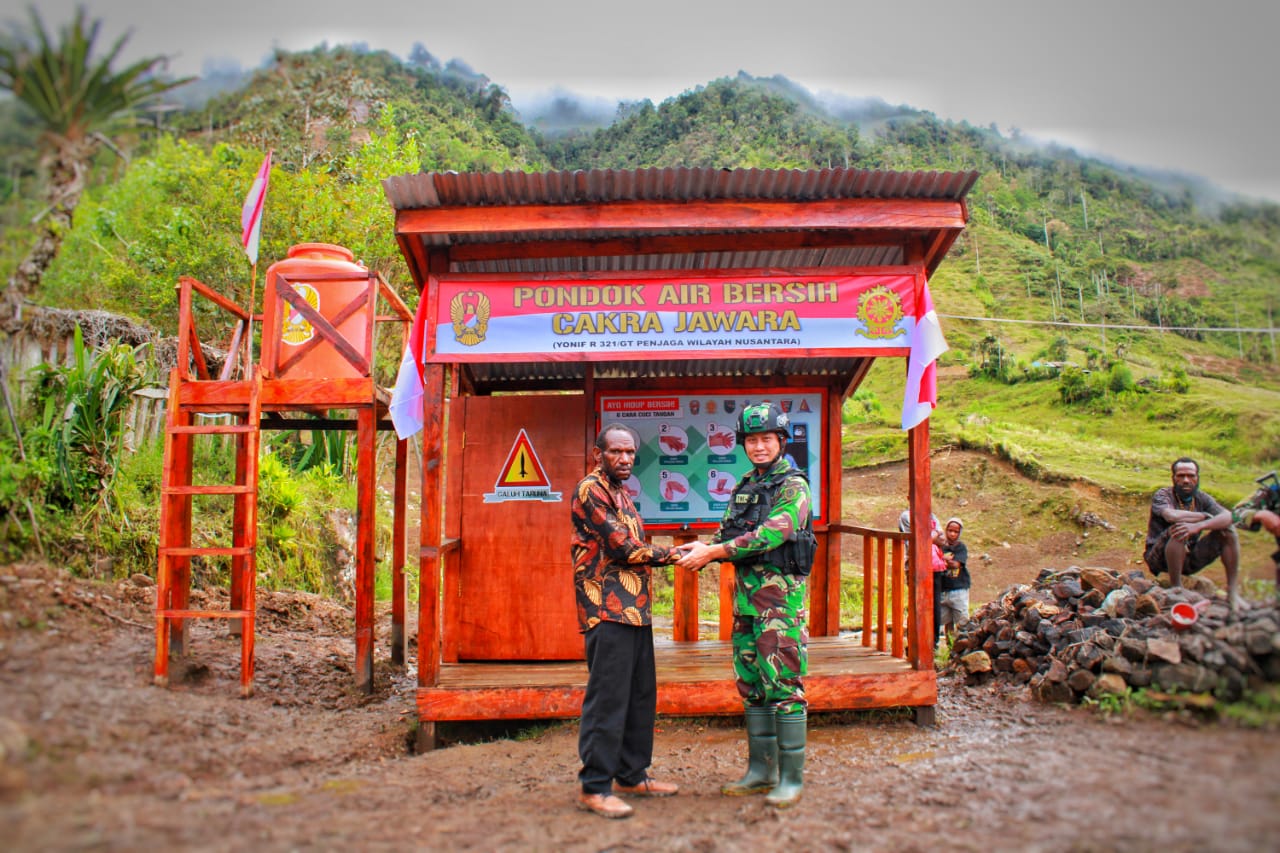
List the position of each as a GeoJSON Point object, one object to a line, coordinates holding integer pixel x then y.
{"type": "Point", "coordinates": [1139, 677]}
{"type": "Point", "coordinates": [1117, 664]}
{"type": "Point", "coordinates": [1258, 641]}
{"type": "Point", "coordinates": [1165, 650]}
{"type": "Point", "coordinates": [1066, 590]}
{"type": "Point", "coordinates": [1081, 680]}
{"type": "Point", "coordinates": [1133, 649]}
{"type": "Point", "coordinates": [1138, 582]}
{"type": "Point", "coordinates": [1200, 584]}
{"type": "Point", "coordinates": [1022, 670]}
{"type": "Point", "coordinates": [1099, 579]}
{"type": "Point", "coordinates": [976, 662]}
{"type": "Point", "coordinates": [1093, 597]}
{"type": "Point", "coordinates": [1057, 671]}
{"type": "Point", "coordinates": [1060, 693]}
{"type": "Point", "coordinates": [1108, 684]}
{"type": "Point", "coordinates": [1089, 656]}
{"type": "Point", "coordinates": [1146, 605]}
{"type": "Point", "coordinates": [1184, 676]}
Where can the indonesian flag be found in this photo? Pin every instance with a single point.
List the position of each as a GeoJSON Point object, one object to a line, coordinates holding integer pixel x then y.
{"type": "Point", "coordinates": [927, 343]}
{"type": "Point", "coordinates": [251, 213]}
{"type": "Point", "coordinates": [406, 397]}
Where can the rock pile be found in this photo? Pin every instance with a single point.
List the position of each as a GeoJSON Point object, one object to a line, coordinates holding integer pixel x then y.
{"type": "Point", "coordinates": [1092, 631]}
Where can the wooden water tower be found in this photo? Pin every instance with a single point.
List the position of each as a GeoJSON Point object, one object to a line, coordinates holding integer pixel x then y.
{"type": "Point", "coordinates": [319, 322]}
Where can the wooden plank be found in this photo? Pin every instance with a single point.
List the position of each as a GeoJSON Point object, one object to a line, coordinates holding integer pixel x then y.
{"type": "Point", "coordinates": [745, 214]}
{"type": "Point", "coordinates": [693, 679]}
{"type": "Point", "coordinates": [366, 523]}
{"type": "Point", "coordinates": [279, 394]}
{"type": "Point", "coordinates": [213, 296]}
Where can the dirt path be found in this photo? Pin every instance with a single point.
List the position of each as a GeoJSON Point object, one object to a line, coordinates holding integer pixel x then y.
{"type": "Point", "coordinates": [93, 757]}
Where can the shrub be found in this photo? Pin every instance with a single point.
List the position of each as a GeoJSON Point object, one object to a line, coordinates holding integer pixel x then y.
{"type": "Point", "coordinates": [1120, 378]}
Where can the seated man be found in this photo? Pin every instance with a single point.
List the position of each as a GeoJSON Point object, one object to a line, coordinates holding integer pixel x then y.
{"type": "Point", "coordinates": [1188, 530]}
{"type": "Point", "coordinates": [954, 581]}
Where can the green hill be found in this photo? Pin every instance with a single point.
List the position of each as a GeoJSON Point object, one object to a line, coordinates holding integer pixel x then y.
{"type": "Point", "coordinates": [1098, 287]}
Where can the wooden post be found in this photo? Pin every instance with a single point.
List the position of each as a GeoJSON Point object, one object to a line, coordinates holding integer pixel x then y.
{"type": "Point", "coordinates": [829, 592]}
{"type": "Point", "coordinates": [398, 534]}
{"type": "Point", "coordinates": [921, 608]}
{"type": "Point", "coordinates": [366, 518]}
{"type": "Point", "coordinates": [431, 539]}
{"type": "Point", "coordinates": [899, 615]}
{"type": "Point", "coordinates": [240, 527]}
{"type": "Point", "coordinates": [726, 600]}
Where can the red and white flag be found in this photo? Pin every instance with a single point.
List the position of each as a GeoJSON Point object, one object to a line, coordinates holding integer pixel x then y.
{"type": "Point", "coordinates": [406, 396]}
{"type": "Point", "coordinates": [251, 213]}
{"type": "Point", "coordinates": [927, 343]}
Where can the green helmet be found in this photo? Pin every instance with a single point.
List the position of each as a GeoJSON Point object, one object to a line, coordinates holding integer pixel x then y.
{"type": "Point", "coordinates": [762, 417]}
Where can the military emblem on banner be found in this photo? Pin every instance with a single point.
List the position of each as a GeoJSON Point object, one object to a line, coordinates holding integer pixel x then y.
{"type": "Point", "coordinates": [880, 309]}
{"type": "Point", "coordinates": [469, 312]}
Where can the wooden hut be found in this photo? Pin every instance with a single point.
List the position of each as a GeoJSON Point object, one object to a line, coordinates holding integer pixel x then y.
{"type": "Point", "coordinates": [665, 298]}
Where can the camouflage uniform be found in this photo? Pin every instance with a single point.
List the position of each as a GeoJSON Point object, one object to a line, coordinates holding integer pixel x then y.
{"type": "Point", "coordinates": [770, 636]}
{"type": "Point", "coordinates": [1243, 512]}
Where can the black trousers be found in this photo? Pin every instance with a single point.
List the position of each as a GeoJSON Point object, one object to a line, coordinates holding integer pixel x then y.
{"type": "Point", "coordinates": [615, 740]}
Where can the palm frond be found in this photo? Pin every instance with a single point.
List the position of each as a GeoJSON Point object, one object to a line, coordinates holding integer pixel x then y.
{"type": "Point", "coordinates": [74, 92]}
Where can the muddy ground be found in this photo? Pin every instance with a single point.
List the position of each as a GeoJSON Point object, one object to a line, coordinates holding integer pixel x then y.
{"type": "Point", "coordinates": [93, 757]}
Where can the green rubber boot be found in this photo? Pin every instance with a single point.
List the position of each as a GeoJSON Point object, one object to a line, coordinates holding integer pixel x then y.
{"type": "Point", "coordinates": [791, 737]}
{"type": "Point", "coordinates": [762, 754]}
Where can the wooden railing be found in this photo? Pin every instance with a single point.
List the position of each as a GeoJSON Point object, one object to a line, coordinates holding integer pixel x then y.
{"type": "Point", "coordinates": [886, 605]}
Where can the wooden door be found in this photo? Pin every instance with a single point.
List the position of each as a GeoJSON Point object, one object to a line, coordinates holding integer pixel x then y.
{"type": "Point", "coordinates": [522, 458]}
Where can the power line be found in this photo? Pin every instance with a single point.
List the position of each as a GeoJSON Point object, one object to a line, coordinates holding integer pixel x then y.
{"type": "Point", "coordinates": [1261, 330]}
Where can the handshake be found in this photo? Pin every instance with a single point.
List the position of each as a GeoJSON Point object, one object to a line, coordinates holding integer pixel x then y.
{"type": "Point", "coordinates": [695, 555]}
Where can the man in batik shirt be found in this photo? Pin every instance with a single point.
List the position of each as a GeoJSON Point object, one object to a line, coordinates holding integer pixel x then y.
{"type": "Point", "coordinates": [611, 574]}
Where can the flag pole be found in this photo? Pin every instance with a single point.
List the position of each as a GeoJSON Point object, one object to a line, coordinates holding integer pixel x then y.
{"type": "Point", "coordinates": [248, 328]}
{"type": "Point", "coordinates": [251, 215]}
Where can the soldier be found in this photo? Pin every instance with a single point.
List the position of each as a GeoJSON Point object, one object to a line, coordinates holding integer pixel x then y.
{"type": "Point", "coordinates": [767, 533]}
{"type": "Point", "coordinates": [1262, 510]}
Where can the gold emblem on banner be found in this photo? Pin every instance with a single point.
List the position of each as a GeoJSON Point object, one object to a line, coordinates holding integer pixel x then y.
{"type": "Point", "coordinates": [469, 312]}
{"type": "Point", "coordinates": [880, 309]}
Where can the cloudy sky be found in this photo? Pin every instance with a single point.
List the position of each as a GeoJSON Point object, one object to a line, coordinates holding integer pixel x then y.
{"type": "Point", "coordinates": [1188, 86]}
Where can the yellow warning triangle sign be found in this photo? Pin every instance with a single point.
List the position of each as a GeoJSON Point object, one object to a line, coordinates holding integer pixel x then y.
{"type": "Point", "coordinates": [522, 468]}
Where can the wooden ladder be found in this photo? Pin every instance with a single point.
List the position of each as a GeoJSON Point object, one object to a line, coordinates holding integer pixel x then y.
{"type": "Point", "coordinates": [173, 577]}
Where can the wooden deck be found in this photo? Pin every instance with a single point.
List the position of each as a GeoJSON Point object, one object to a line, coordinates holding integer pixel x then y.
{"type": "Point", "coordinates": [694, 679]}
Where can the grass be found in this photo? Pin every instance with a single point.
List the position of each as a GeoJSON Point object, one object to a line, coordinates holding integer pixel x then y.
{"type": "Point", "coordinates": [1123, 446]}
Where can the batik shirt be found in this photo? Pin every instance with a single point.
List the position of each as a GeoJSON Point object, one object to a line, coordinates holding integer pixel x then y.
{"type": "Point", "coordinates": [611, 560]}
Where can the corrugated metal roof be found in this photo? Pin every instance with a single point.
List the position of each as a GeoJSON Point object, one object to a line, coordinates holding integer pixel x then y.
{"type": "Point", "coordinates": [449, 189]}
{"type": "Point", "coordinates": [717, 248]}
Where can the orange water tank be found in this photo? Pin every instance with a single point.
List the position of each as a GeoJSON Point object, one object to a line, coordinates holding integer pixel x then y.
{"type": "Point", "coordinates": [328, 278]}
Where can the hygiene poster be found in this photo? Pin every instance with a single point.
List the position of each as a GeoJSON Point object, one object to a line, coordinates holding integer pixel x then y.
{"type": "Point", "coordinates": [688, 460]}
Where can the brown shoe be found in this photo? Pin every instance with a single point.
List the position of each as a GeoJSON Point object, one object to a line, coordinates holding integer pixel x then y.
{"type": "Point", "coordinates": [605, 805]}
{"type": "Point", "coordinates": [648, 788]}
